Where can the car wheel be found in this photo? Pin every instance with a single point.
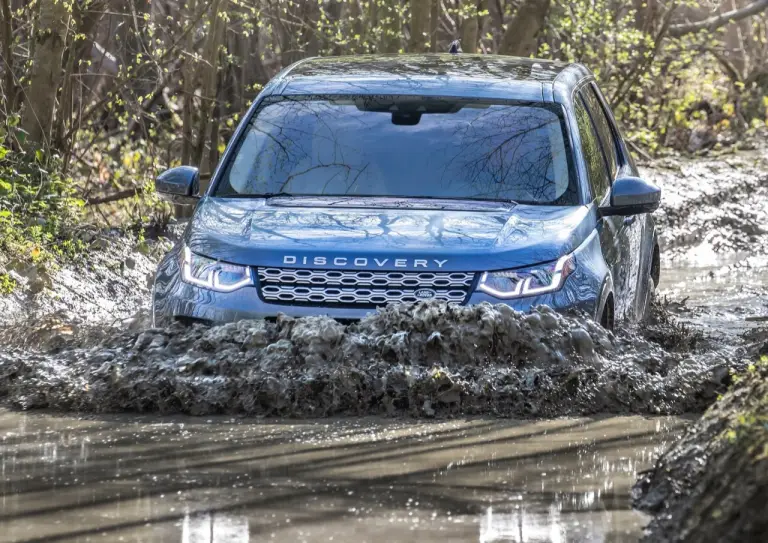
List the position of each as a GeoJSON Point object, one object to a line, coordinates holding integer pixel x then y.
{"type": "Point", "coordinates": [607, 318]}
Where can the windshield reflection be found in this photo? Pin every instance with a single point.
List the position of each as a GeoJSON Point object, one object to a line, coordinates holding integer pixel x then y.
{"type": "Point", "coordinates": [396, 146]}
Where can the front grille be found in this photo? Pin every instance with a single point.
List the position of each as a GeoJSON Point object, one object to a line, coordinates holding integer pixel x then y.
{"type": "Point", "coordinates": [364, 288]}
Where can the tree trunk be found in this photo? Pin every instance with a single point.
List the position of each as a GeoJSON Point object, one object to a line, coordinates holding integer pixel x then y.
{"type": "Point", "coordinates": [469, 29]}
{"type": "Point", "coordinates": [434, 25]}
{"type": "Point", "coordinates": [209, 78]}
{"type": "Point", "coordinates": [646, 14]}
{"type": "Point", "coordinates": [520, 37]}
{"type": "Point", "coordinates": [45, 77]}
{"type": "Point", "coordinates": [76, 59]}
{"type": "Point", "coordinates": [391, 31]}
{"type": "Point", "coordinates": [310, 38]}
{"type": "Point", "coordinates": [357, 25]}
{"type": "Point", "coordinates": [9, 87]}
{"type": "Point", "coordinates": [419, 25]}
{"type": "Point", "coordinates": [496, 11]}
{"type": "Point", "coordinates": [188, 90]}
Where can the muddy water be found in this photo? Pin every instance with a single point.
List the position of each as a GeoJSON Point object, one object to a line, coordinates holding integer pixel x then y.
{"type": "Point", "coordinates": [723, 297]}
{"type": "Point", "coordinates": [194, 480]}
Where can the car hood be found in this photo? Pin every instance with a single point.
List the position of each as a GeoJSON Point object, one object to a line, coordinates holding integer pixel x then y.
{"type": "Point", "coordinates": [385, 233]}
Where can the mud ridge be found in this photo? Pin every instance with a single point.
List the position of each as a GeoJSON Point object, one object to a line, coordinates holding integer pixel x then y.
{"type": "Point", "coordinates": [712, 485]}
{"type": "Point", "coordinates": [430, 359]}
{"type": "Point", "coordinates": [716, 205]}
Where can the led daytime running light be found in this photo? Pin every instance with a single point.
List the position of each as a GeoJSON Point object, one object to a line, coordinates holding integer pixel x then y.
{"type": "Point", "coordinates": [523, 287]}
{"type": "Point", "coordinates": [212, 281]}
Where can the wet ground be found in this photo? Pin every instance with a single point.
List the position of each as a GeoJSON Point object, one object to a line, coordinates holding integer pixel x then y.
{"type": "Point", "coordinates": [123, 478]}
{"type": "Point", "coordinates": [399, 476]}
{"type": "Point", "coordinates": [724, 297]}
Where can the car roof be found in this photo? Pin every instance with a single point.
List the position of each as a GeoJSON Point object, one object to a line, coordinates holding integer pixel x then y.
{"type": "Point", "coordinates": [458, 75]}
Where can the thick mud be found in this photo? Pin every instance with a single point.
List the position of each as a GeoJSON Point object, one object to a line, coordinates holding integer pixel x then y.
{"type": "Point", "coordinates": [108, 286]}
{"type": "Point", "coordinates": [712, 207]}
{"type": "Point", "coordinates": [423, 360]}
{"type": "Point", "coordinates": [712, 485]}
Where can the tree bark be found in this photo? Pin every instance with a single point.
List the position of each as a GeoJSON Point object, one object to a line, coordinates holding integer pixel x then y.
{"type": "Point", "coordinates": [45, 79]}
{"type": "Point", "coordinates": [646, 14]}
{"type": "Point", "coordinates": [420, 10]}
{"type": "Point", "coordinates": [520, 37]}
{"type": "Point", "coordinates": [469, 29]}
{"type": "Point", "coordinates": [9, 87]}
{"type": "Point", "coordinates": [717, 21]}
{"type": "Point", "coordinates": [434, 25]}
{"type": "Point", "coordinates": [357, 25]}
{"type": "Point", "coordinates": [188, 90]}
{"type": "Point", "coordinates": [391, 29]}
{"type": "Point", "coordinates": [209, 76]}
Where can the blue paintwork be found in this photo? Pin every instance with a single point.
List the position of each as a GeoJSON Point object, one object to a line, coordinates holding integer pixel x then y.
{"type": "Point", "coordinates": [613, 254]}
{"type": "Point", "coordinates": [630, 193]}
{"type": "Point", "coordinates": [478, 237]}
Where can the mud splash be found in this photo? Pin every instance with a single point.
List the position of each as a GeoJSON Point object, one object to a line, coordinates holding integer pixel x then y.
{"type": "Point", "coordinates": [425, 360]}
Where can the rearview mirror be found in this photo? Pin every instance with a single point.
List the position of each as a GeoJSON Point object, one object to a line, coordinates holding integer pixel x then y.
{"type": "Point", "coordinates": [179, 185]}
{"type": "Point", "coordinates": [632, 196]}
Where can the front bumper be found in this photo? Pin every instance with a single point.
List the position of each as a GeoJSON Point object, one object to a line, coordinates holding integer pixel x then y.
{"type": "Point", "coordinates": [174, 299]}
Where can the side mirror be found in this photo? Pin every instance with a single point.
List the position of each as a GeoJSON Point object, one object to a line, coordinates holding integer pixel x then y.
{"type": "Point", "coordinates": [632, 196]}
{"type": "Point", "coordinates": [179, 185]}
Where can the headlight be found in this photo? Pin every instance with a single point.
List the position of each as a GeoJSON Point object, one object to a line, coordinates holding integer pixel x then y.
{"type": "Point", "coordinates": [508, 284]}
{"type": "Point", "coordinates": [212, 274]}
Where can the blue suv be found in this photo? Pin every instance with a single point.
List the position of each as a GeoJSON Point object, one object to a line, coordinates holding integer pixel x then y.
{"type": "Point", "coordinates": [356, 182]}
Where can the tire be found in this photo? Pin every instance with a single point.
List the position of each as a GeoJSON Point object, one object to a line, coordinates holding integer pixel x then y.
{"type": "Point", "coordinates": [607, 317]}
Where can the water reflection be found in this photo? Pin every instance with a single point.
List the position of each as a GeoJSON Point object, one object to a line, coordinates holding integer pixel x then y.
{"type": "Point", "coordinates": [523, 525]}
{"type": "Point", "coordinates": [357, 479]}
{"type": "Point", "coordinates": [520, 525]}
{"type": "Point", "coordinates": [725, 297]}
{"type": "Point", "coordinates": [214, 528]}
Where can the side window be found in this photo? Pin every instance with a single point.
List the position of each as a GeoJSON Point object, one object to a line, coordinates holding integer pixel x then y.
{"type": "Point", "coordinates": [590, 147]}
{"type": "Point", "coordinates": [603, 126]}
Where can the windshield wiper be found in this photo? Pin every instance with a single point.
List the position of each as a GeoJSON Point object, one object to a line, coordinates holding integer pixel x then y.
{"type": "Point", "coordinates": [277, 195]}
{"type": "Point", "coordinates": [262, 195]}
{"type": "Point", "coordinates": [268, 195]}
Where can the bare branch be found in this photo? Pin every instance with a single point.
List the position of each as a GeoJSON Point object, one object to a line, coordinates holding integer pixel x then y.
{"type": "Point", "coordinates": [116, 197]}
{"type": "Point", "coordinates": [717, 21]}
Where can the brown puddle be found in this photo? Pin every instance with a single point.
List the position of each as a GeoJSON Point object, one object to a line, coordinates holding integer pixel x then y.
{"type": "Point", "coordinates": [201, 480]}
{"type": "Point", "coordinates": [723, 296]}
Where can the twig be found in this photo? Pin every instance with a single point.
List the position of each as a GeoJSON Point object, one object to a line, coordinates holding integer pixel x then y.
{"type": "Point", "coordinates": [122, 195]}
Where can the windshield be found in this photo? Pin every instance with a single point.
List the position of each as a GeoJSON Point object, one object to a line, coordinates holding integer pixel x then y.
{"type": "Point", "coordinates": [411, 147]}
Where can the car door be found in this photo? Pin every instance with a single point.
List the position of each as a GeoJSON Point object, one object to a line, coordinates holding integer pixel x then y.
{"type": "Point", "coordinates": [630, 228]}
{"type": "Point", "coordinates": [612, 230]}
